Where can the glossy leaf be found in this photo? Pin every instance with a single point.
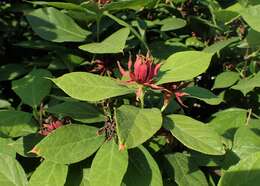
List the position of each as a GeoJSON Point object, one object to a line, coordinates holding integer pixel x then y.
{"type": "Point", "coordinates": [115, 43]}
{"type": "Point", "coordinates": [11, 172]}
{"type": "Point", "coordinates": [184, 66]}
{"type": "Point", "coordinates": [227, 121]}
{"type": "Point", "coordinates": [16, 123]}
{"type": "Point", "coordinates": [24, 144]}
{"type": "Point", "coordinates": [172, 23]}
{"type": "Point", "coordinates": [184, 171]}
{"type": "Point", "coordinates": [5, 147]}
{"type": "Point", "coordinates": [246, 142]}
{"type": "Point", "coordinates": [78, 111]}
{"type": "Point", "coordinates": [33, 87]}
{"type": "Point", "coordinates": [194, 134]}
{"type": "Point", "coordinates": [90, 87]}
{"type": "Point", "coordinates": [135, 125]}
{"type": "Point", "coordinates": [69, 144]}
{"type": "Point", "coordinates": [49, 173]}
{"type": "Point", "coordinates": [142, 169]}
{"type": "Point", "coordinates": [53, 25]}
{"type": "Point", "coordinates": [247, 85]}
{"type": "Point", "coordinates": [109, 165]}
{"type": "Point", "coordinates": [216, 47]}
{"type": "Point", "coordinates": [226, 79]}
{"type": "Point", "coordinates": [252, 16]}
{"type": "Point", "coordinates": [203, 95]}
{"type": "Point", "coordinates": [127, 4]}
{"type": "Point", "coordinates": [245, 173]}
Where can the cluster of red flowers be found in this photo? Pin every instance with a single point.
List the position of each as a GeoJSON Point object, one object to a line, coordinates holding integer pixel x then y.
{"type": "Point", "coordinates": [103, 1]}
{"type": "Point", "coordinates": [50, 124]}
{"type": "Point", "coordinates": [145, 72]}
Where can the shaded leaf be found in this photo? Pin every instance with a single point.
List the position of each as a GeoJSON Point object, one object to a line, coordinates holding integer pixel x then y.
{"type": "Point", "coordinates": [78, 111]}
{"type": "Point", "coordinates": [227, 121]}
{"type": "Point", "coordinates": [11, 71]}
{"type": "Point", "coordinates": [33, 87]}
{"type": "Point", "coordinates": [53, 25]}
{"type": "Point", "coordinates": [245, 173]}
{"type": "Point", "coordinates": [16, 123]}
{"type": "Point", "coordinates": [184, 171]}
{"type": "Point", "coordinates": [142, 169]}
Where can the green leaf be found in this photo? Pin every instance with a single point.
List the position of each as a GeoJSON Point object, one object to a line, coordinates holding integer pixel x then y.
{"type": "Point", "coordinates": [33, 87]}
{"type": "Point", "coordinates": [11, 172]}
{"type": "Point", "coordinates": [253, 38]}
{"type": "Point", "coordinates": [127, 4]}
{"type": "Point", "coordinates": [135, 125]}
{"type": "Point", "coordinates": [115, 43]}
{"type": "Point", "coordinates": [24, 145]}
{"type": "Point", "coordinates": [184, 66]}
{"type": "Point", "coordinates": [16, 123]}
{"type": "Point", "coordinates": [68, 6]}
{"type": "Point", "coordinates": [247, 85]}
{"type": "Point", "coordinates": [194, 42]}
{"type": "Point", "coordinates": [245, 173]}
{"type": "Point", "coordinates": [216, 47]}
{"type": "Point", "coordinates": [5, 148]}
{"type": "Point", "coordinates": [78, 111]}
{"type": "Point", "coordinates": [11, 71]}
{"type": "Point", "coordinates": [142, 169]}
{"type": "Point", "coordinates": [109, 165]}
{"type": "Point", "coordinates": [69, 144]}
{"type": "Point", "coordinates": [90, 87]}
{"type": "Point", "coordinates": [226, 79]}
{"type": "Point", "coordinates": [194, 134]}
{"type": "Point", "coordinates": [53, 25]}
{"type": "Point", "coordinates": [172, 23]}
{"type": "Point", "coordinates": [246, 142]}
{"type": "Point", "coordinates": [252, 16]}
{"type": "Point", "coordinates": [227, 121]}
{"type": "Point", "coordinates": [49, 173]}
{"type": "Point", "coordinates": [203, 95]}
{"type": "Point", "coordinates": [183, 171]}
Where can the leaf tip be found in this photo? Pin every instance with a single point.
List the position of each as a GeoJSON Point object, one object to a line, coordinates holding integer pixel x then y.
{"type": "Point", "coordinates": [35, 151]}
{"type": "Point", "coordinates": [122, 147]}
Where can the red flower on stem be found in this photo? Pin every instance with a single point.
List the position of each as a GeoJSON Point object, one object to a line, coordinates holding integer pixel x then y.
{"type": "Point", "coordinates": [174, 89]}
{"type": "Point", "coordinates": [144, 72]}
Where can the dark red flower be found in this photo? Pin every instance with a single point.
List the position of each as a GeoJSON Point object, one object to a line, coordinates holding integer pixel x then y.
{"type": "Point", "coordinates": [102, 2]}
{"type": "Point", "coordinates": [144, 71]}
{"type": "Point", "coordinates": [50, 126]}
{"type": "Point", "coordinates": [174, 89]}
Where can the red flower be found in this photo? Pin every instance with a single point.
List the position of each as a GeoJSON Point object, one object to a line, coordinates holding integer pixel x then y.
{"type": "Point", "coordinates": [49, 127]}
{"type": "Point", "coordinates": [103, 1]}
{"type": "Point", "coordinates": [174, 89]}
{"type": "Point", "coordinates": [144, 71]}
